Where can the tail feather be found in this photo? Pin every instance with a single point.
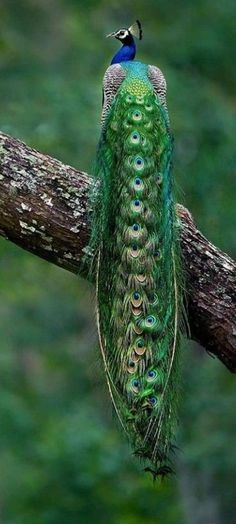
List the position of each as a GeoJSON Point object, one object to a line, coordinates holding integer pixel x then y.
{"type": "Point", "coordinates": [138, 278]}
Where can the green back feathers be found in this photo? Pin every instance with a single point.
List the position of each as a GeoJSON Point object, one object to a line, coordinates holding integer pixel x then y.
{"type": "Point", "coordinates": [137, 252]}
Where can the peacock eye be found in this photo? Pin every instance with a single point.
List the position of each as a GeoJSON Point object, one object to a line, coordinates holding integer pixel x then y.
{"type": "Point", "coordinates": [140, 99]}
{"type": "Point", "coordinates": [140, 347]}
{"type": "Point", "coordinates": [135, 231]}
{"type": "Point", "coordinates": [131, 367]}
{"type": "Point", "coordinates": [135, 137]}
{"type": "Point", "coordinates": [149, 107]}
{"type": "Point", "coordinates": [140, 343]}
{"type": "Point", "coordinates": [138, 184]}
{"type": "Point", "coordinates": [136, 301]}
{"type": "Point", "coordinates": [153, 299]}
{"type": "Point", "coordinates": [135, 385]}
{"type": "Point", "coordinates": [137, 115]}
{"type": "Point", "coordinates": [150, 320]}
{"type": "Point", "coordinates": [159, 179]}
{"type": "Point", "coordinates": [157, 253]}
{"type": "Point", "coordinates": [138, 163]}
{"type": "Point", "coordinates": [150, 323]}
{"type": "Point", "coordinates": [136, 205]}
{"type": "Point", "coordinates": [129, 99]}
{"type": "Point", "coordinates": [151, 375]}
{"type": "Point", "coordinates": [152, 400]}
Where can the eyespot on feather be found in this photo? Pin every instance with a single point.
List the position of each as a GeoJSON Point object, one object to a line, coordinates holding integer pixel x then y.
{"type": "Point", "coordinates": [137, 184]}
{"type": "Point", "coordinates": [129, 99]}
{"type": "Point", "coordinates": [137, 115]}
{"type": "Point", "coordinates": [140, 100]}
{"type": "Point", "coordinates": [134, 138]}
{"type": "Point", "coordinates": [150, 320]}
{"type": "Point", "coordinates": [157, 254]}
{"type": "Point", "coordinates": [135, 385]}
{"type": "Point", "coordinates": [135, 231]}
{"type": "Point", "coordinates": [132, 367]}
{"type": "Point", "coordinates": [138, 163]}
{"type": "Point", "coordinates": [150, 323]}
{"type": "Point", "coordinates": [140, 347]}
{"type": "Point", "coordinates": [136, 206]}
{"type": "Point", "coordinates": [136, 299]}
{"type": "Point", "coordinates": [149, 107]}
{"type": "Point", "coordinates": [152, 400]}
{"type": "Point", "coordinates": [153, 300]}
{"type": "Point", "coordinates": [151, 375]}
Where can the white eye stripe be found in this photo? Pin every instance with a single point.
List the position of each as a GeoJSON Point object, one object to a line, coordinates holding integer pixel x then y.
{"type": "Point", "coordinates": [122, 34]}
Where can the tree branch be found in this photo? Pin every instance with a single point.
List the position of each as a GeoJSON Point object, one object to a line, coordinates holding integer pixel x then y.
{"type": "Point", "coordinates": [43, 208]}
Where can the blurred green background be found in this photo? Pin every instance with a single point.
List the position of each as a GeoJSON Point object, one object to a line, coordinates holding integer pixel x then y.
{"type": "Point", "coordinates": [63, 458]}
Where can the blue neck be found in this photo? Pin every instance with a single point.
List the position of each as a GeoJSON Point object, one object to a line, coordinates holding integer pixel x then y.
{"type": "Point", "coordinates": [126, 52]}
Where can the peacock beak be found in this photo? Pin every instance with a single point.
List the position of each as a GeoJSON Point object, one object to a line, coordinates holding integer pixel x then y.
{"type": "Point", "coordinates": [111, 34]}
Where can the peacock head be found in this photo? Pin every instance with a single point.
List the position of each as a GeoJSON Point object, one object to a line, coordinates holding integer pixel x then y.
{"type": "Point", "coordinates": [126, 35]}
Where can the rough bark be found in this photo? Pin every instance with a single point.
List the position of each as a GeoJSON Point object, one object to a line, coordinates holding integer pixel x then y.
{"type": "Point", "coordinates": [44, 209]}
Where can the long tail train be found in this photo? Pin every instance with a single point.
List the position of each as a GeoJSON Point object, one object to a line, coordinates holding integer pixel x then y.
{"type": "Point", "coordinates": [138, 270]}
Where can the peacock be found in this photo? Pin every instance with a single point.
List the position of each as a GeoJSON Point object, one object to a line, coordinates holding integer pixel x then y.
{"type": "Point", "coordinates": [138, 262]}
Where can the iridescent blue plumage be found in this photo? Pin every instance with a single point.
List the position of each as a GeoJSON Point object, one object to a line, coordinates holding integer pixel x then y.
{"type": "Point", "coordinates": [126, 52]}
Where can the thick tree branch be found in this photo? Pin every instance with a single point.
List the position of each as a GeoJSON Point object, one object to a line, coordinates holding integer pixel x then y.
{"type": "Point", "coordinates": [43, 208]}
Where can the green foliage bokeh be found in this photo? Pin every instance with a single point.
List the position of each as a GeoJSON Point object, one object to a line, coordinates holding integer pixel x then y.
{"type": "Point", "coordinates": [63, 458]}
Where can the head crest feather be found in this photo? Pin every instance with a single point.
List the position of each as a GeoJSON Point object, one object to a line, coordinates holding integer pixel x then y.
{"type": "Point", "coordinates": [136, 30]}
